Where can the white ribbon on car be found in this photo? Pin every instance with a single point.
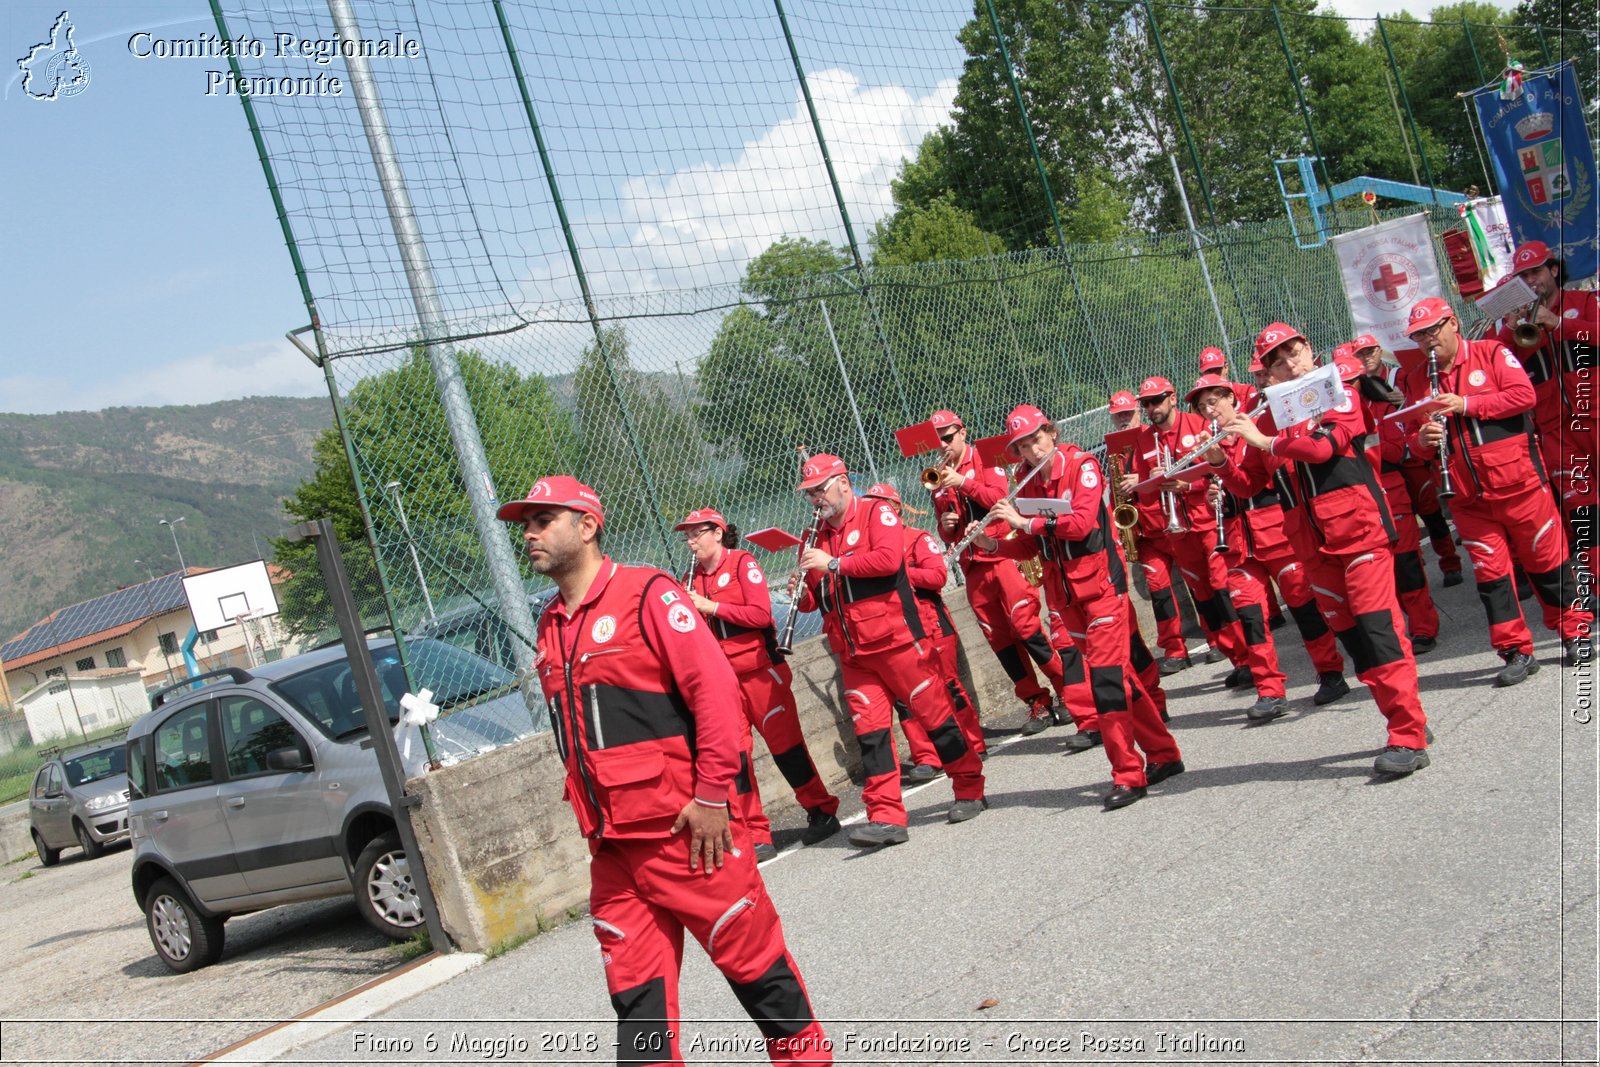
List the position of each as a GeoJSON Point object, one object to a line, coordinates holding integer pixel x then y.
{"type": "Point", "coordinates": [416, 709]}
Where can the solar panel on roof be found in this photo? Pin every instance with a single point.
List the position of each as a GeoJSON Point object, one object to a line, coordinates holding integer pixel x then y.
{"type": "Point", "coordinates": [127, 605]}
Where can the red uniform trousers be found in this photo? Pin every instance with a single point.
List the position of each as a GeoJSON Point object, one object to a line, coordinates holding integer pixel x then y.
{"type": "Point", "coordinates": [745, 804]}
{"type": "Point", "coordinates": [1076, 695]}
{"type": "Point", "coordinates": [1283, 564]}
{"type": "Point", "coordinates": [1356, 594]}
{"type": "Point", "coordinates": [1247, 588]}
{"type": "Point", "coordinates": [642, 898]}
{"type": "Point", "coordinates": [770, 706]}
{"type": "Point", "coordinates": [909, 673]}
{"type": "Point", "coordinates": [1422, 488]}
{"type": "Point", "coordinates": [946, 652]}
{"type": "Point", "coordinates": [1124, 713]}
{"type": "Point", "coordinates": [1525, 528]}
{"type": "Point", "coordinates": [1410, 578]}
{"type": "Point", "coordinates": [1007, 608]}
{"type": "Point", "coordinates": [1190, 554]}
{"type": "Point", "coordinates": [1163, 601]}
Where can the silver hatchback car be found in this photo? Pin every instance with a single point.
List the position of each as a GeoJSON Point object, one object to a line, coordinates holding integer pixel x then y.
{"type": "Point", "coordinates": [79, 798]}
{"type": "Point", "coordinates": [262, 788]}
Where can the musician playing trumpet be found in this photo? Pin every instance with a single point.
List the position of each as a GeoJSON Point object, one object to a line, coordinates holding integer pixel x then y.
{"type": "Point", "coordinates": [1006, 606]}
{"type": "Point", "coordinates": [1337, 520]}
{"type": "Point", "coordinates": [1503, 508]}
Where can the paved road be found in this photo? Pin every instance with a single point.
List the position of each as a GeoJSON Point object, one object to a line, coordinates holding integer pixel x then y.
{"type": "Point", "coordinates": [1276, 899]}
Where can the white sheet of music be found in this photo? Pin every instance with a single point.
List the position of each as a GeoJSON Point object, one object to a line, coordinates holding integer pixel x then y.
{"type": "Point", "coordinates": [1039, 505]}
{"type": "Point", "coordinates": [1506, 299]}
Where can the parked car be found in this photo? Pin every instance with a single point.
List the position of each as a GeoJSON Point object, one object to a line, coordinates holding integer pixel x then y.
{"type": "Point", "coordinates": [79, 798]}
{"type": "Point", "coordinates": [261, 788]}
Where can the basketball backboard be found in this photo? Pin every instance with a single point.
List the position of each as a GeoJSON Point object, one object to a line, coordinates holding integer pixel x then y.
{"type": "Point", "coordinates": [217, 598]}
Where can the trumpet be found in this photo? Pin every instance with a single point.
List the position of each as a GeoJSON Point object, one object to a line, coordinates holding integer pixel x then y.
{"type": "Point", "coordinates": [1169, 500]}
{"type": "Point", "coordinates": [966, 542]}
{"type": "Point", "coordinates": [1527, 333]}
{"type": "Point", "coordinates": [1124, 516]}
{"type": "Point", "coordinates": [1447, 488]}
{"type": "Point", "coordinates": [931, 477]}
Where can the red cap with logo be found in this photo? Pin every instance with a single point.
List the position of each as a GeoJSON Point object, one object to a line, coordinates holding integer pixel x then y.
{"type": "Point", "coordinates": [1121, 400]}
{"type": "Point", "coordinates": [819, 468]}
{"type": "Point", "coordinates": [702, 517]}
{"type": "Point", "coordinates": [1364, 342]}
{"type": "Point", "coordinates": [1344, 351]}
{"type": "Point", "coordinates": [1151, 388]}
{"type": "Point", "coordinates": [1426, 314]}
{"type": "Point", "coordinates": [942, 418]}
{"type": "Point", "coordinates": [1350, 368]}
{"type": "Point", "coordinates": [1025, 420]}
{"type": "Point", "coordinates": [883, 491]}
{"type": "Point", "coordinates": [556, 491]}
{"type": "Point", "coordinates": [1529, 255]}
{"type": "Point", "coordinates": [1277, 333]}
{"type": "Point", "coordinates": [1256, 365]}
{"type": "Point", "coordinates": [1212, 358]}
{"type": "Point", "coordinates": [1204, 382]}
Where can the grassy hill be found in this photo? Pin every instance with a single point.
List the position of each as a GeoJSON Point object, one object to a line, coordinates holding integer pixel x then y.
{"type": "Point", "coordinates": [81, 493]}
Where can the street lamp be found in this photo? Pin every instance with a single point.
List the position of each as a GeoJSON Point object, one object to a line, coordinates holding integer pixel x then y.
{"type": "Point", "coordinates": [399, 507]}
{"type": "Point", "coordinates": [172, 525]}
{"type": "Point", "coordinates": [149, 573]}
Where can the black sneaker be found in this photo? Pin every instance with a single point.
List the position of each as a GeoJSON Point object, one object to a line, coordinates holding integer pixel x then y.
{"type": "Point", "coordinates": [1239, 677]}
{"type": "Point", "coordinates": [1040, 718]}
{"type": "Point", "coordinates": [1268, 708]}
{"type": "Point", "coordinates": [1518, 666]}
{"type": "Point", "coordinates": [1214, 655]}
{"type": "Point", "coordinates": [923, 772]}
{"type": "Point", "coordinates": [1397, 759]}
{"type": "Point", "coordinates": [873, 834]}
{"type": "Point", "coordinates": [1576, 651]}
{"type": "Point", "coordinates": [962, 810]}
{"type": "Point", "coordinates": [1174, 664]}
{"type": "Point", "coordinates": [1160, 772]}
{"type": "Point", "coordinates": [1452, 578]}
{"type": "Point", "coordinates": [1123, 795]}
{"type": "Point", "coordinates": [820, 825]}
{"type": "Point", "coordinates": [1083, 740]}
{"type": "Point", "coordinates": [1332, 688]}
{"type": "Point", "coordinates": [1424, 644]}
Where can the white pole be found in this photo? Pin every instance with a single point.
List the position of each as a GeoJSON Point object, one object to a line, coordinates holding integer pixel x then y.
{"type": "Point", "coordinates": [1194, 234]}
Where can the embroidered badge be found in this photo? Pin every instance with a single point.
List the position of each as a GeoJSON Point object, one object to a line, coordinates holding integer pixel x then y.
{"type": "Point", "coordinates": [669, 596]}
{"type": "Point", "coordinates": [723, 580]}
{"type": "Point", "coordinates": [1477, 377]}
{"type": "Point", "coordinates": [1187, 440]}
{"type": "Point", "coordinates": [886, 517]}
{"type": "Point", "coordinates": [680, 618]}
{"type": "Point", "coordinates": [1511, 361]}
{"type": "Point", "coordinates": [605, 628]}
{"type": "Point", "coordinates": [754, 575]}
{"type": "Point", "coordinates": [852, 537]}
{"type": "Point", "coordinates": [1089, 479]}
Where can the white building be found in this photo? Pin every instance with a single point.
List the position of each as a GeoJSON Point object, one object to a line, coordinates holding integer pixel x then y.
{"type": "Point", "coordinates": [85, 704]}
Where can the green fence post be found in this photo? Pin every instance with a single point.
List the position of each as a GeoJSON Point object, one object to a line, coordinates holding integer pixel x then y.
{"type": "Point", "coordinates": [1544, 45]}
{"type": "Point", "coordinates": [1476, 61]}
{"type": "Point", "coordinates": [1416, 134]}
{"type": "Point", "coordinates": [602, 347]}
{"type": "Point", "coordinates": [1177, 106]}
{"type": "Point", "coordinates": [1305, 111]}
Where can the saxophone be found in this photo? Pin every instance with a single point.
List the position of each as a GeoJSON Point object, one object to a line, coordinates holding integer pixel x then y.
{"type": "Point", "coordinates": [1124, 516]}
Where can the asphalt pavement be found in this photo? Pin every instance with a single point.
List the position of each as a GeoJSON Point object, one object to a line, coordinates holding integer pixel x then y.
{"type": "Point", "coordinates": [1277, 902]}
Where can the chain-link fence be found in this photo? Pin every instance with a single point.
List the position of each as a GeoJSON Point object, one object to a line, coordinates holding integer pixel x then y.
{"type": "Point", "coordinates": [660, 250]}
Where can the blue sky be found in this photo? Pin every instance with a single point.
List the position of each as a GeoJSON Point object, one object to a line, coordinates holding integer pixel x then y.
{"type": "Point", "coordinates": [146, 266]}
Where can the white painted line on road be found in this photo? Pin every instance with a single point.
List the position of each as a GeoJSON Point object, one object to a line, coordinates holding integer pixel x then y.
{"type": "Point", "coordinates": [358, 1005]}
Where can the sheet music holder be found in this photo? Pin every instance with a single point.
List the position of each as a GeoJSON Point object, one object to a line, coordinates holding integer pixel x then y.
{"type": "Point", "coordinates": [1420, 410]}
{"type": "Point", "coordinates": [992, 451]}
{"type": "Point", "coordinates": [772, 539]}
{"type": "Point", "coordinates": [1042, 505]}
{"type": "Point", "coordinates": [917, 439]}
{"type": "Point", "coordinates": [1506, 299]}
{"type": "Point", "coordinates": [1122, 440]}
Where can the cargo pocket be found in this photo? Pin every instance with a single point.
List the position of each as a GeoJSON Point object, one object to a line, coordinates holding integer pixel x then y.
{"type": "Point", "coordinates": [629, 783]}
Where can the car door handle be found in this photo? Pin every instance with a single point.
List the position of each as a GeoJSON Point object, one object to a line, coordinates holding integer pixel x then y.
{"type": "Point", "coordinates": [236, 802]}
{"type": "Point", "coordinates": [160, 816]}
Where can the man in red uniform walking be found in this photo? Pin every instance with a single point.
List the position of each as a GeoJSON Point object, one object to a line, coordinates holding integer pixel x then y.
{"type": "Point", "coordinates": [1503, 505]}
{"type": "Point", "coordinates": [642, 717]}
{"type": "Point", "coordinates": [1005, 605]}
{"type": "Point", "coordinates": [855, 574]}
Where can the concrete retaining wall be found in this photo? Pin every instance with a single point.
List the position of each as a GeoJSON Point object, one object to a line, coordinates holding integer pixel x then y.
{"type": "Point", "coordinates": [502, 848]}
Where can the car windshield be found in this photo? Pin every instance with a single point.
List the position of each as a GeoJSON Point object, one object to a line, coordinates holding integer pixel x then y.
{"type": "Point", "coordinates": [96, 766]}
{"type": "Point", "coordinates": [327, 694]}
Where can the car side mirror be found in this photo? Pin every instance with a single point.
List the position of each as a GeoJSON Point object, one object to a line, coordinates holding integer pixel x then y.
{"type": "Point", "coordinates": [56, 795]}
{"type": "Point", "coordinates": [289, 759]}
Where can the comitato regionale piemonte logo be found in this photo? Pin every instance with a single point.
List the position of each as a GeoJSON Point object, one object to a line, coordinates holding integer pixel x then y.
{"type": "Point", "coordinates": [54, 69]}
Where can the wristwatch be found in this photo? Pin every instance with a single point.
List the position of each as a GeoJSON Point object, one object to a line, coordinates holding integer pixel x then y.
{"type": "Point", "coordinates": [833, 565]}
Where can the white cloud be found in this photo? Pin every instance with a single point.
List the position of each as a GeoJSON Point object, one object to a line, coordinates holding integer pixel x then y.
{"type": "Point", "coordinates": [255, 368]}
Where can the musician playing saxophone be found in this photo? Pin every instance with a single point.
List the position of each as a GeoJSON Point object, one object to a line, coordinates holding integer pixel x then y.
{"type": "Point", "coordinates": [1124, 411]}
{"type": "Point", "coordinates": [1504, 509]}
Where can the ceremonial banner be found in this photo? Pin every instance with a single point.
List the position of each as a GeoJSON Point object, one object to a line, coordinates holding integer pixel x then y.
{"type": "Point", "coordinates": [1492, 240]}
{"type": "Point", "coordinates": [1544, 162]}
{"type": "Point", "coordinates": [1386, 269]}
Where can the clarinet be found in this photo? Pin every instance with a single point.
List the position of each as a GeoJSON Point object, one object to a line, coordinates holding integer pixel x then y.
{"type": "Point", "coordinates": [786, 642]}
{"type": "Point", "coordinates": [1216, 483]}
{"type": "Point", "coordinates": [1447, 487]}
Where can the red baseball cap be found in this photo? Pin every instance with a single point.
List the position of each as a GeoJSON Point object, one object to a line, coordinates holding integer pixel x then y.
{"type": "Point", "coordinates": [559, 491]}
{"type": "Point", "coordinates": [1154, 387]}
{"type": "Point", "coordinates": [1204, 382]}
{"type": "Point", "coordinates": [702, 517]}
{"type": "Point", "coordinates": [819, 468]}
{"type": "Point", "coordinates": [1122, 400]}
{"type": "Point", "coordinates": [1343, 351]}
{"type": "Point", "coordinates": [1530, 255]}
{"type": "Point", "coordinates": [1364, 342]}
{"type": "Point", "coordinates": [1256, 364]}
{"type": "Point", "coordinates": [942, 418]}
{"type": "Point", "coordinates": [1425, 314]}
{"type": "Point", "coordinates": [1212, 358]}
{"type": "Point", "coordinates": [1277, 333]}
{"type": "Point", "coordinates": [1350, 367]}
{"type": "Point", "coordinates": [884, 491]}
{"type": "Point", "coordinates": [1025, 420]}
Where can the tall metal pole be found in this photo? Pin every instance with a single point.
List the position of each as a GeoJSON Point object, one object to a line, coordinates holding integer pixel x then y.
{"type": "Point", "coordinates": [172, 526]}
{"type": "Point", "coordinates": [1177, 107]}
{"type": "Point", "coordinates": [855, 409]}
{"type": "Point", "coordinates": [1199, 250]}
{"type": "Point", "coordinates": [1476, 61]}
{"type": "Point", "coordinates": [1299, 94]}
{"type": "Point", "coordinates": [1416, 134]}
{"type": "Point", "coordinates": [431, 316]}
{"type": "Point", "coordinates": [411, 543]}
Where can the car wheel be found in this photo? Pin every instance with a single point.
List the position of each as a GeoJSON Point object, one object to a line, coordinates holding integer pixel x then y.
{"type": "Point", "coordinates": [47, 856]}
{"type": "Point", "coordinates": [183, 938]}
{"type": "Point", "coordinates": [92, 849]}
{"type": "Point", "coordinates": [385, 894]}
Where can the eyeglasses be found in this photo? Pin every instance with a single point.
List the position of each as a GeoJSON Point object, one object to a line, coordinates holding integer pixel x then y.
{"type": "Point", "coordinates": [691, 536]}
{"type": "Point", "coordinates": [1152, 401]}
{"type": "Point", "coordinates": [818, 490]}
{"type": "Point", "coordinates": [1430, 330]}
{"type": "Point", "coordinates": [946, 438]}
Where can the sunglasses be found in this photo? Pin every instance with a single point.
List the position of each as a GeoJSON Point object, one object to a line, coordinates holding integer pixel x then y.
{"type": "Point", "coordinates": [1152, 401]}
{"type": "Point", "coordinates": [946, 438]}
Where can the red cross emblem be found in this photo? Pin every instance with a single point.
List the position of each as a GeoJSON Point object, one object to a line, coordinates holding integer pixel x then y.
{"type": "Point", "coordinates": [1389, 282]}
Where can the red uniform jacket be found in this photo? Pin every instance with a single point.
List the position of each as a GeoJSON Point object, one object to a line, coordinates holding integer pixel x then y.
{"type": "Point", "coordinates": [867, 605]}
{"type": "Point", "coordinates": [1493, 455]}
{"type": "Point", "coordinates": [926, 570]}
{"type": "Point", "coordinates": [1561, 367]}
{"type": "Point", "coordinates": [1255, 518]}
{"type": "Point", "coordinates": [1072, 545]}
{"type": "Point", "coordinates": [1179, 441]}
{"type": "Point", "coordinates": [643, 703]}
{"type": "Point", "coordinates": [742, 624]}
{"type": "Point", "coordinates": [984, 488]}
